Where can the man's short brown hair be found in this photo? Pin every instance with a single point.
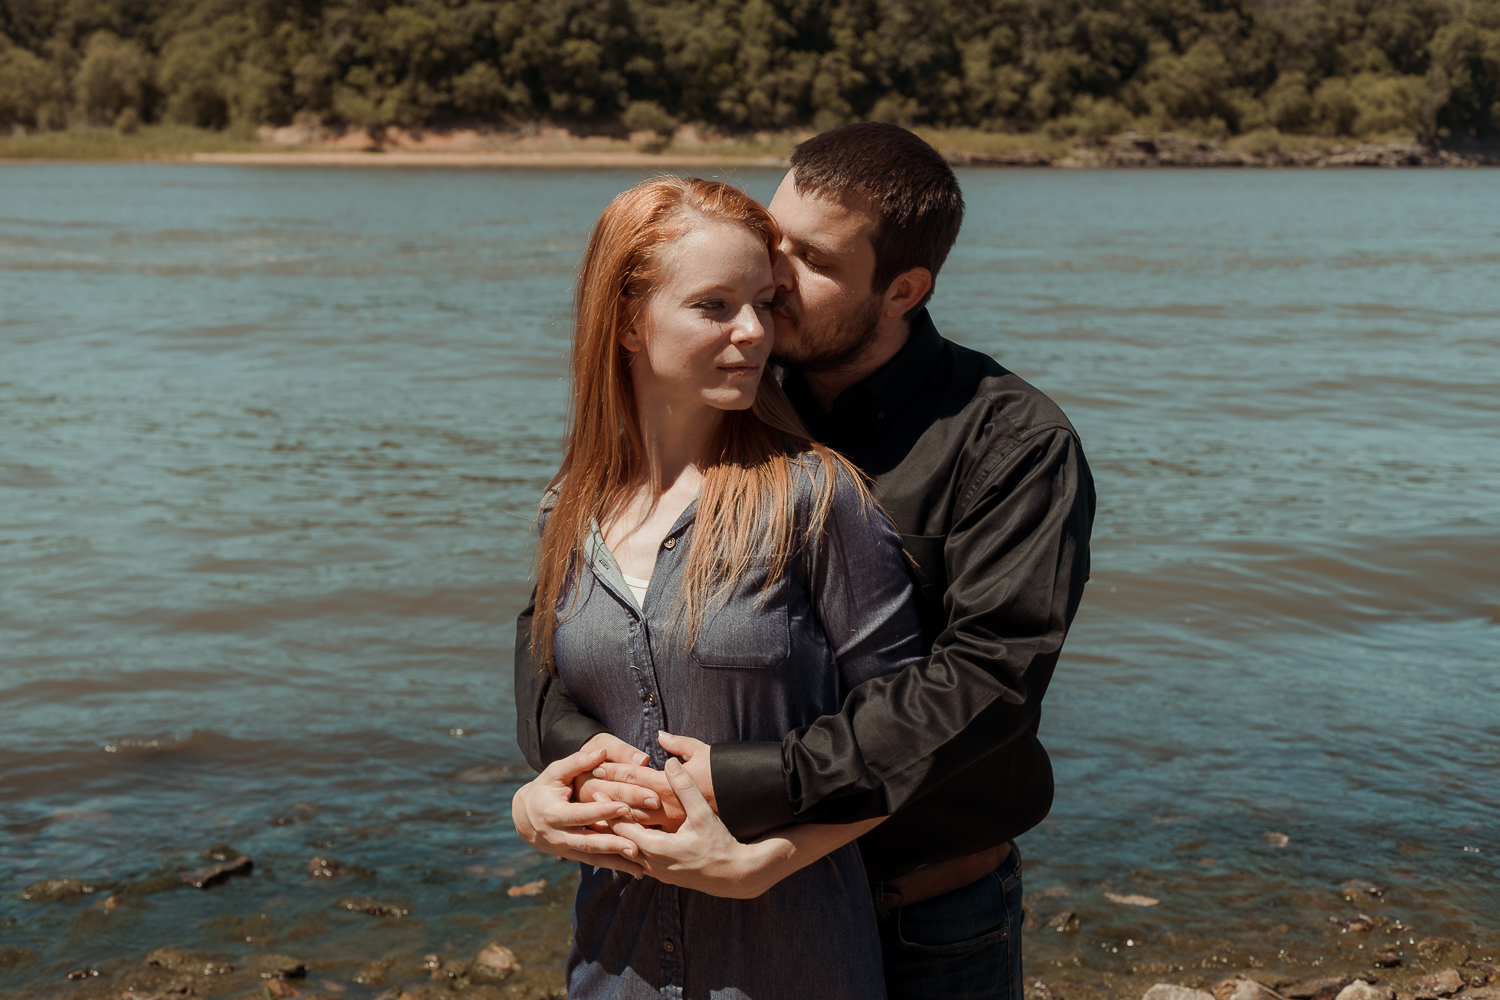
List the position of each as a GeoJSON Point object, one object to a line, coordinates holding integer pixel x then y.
{"type": "Point", "coordinates": [911, 190]}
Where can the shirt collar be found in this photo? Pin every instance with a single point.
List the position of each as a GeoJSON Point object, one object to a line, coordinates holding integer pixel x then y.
{"type": "Point", "coordinates": [865, 406]}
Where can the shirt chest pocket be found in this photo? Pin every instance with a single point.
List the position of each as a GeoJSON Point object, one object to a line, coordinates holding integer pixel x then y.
{"type": "Point", "coordinates": [748, 629]}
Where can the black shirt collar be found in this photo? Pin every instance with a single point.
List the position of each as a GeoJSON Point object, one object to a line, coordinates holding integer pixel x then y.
{"type": "Point", "coordinates": [864, 407]}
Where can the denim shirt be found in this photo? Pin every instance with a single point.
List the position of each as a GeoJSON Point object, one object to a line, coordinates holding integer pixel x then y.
{"type": "Point", "coordinates": [769, 657]}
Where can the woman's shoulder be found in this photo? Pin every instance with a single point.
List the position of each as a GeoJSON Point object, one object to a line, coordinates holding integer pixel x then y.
{"type": "Point", "coordinates": [821, 476]}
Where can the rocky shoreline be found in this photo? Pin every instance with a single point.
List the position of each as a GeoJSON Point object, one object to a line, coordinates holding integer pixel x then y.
{"type": "Point", "coordinates": [1172, 150]}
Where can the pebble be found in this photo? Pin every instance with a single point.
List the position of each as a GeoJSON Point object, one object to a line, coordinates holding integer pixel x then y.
{"type": "Point", "coordinates": [1480, 993]}
{"type": "Point", "coordinates": [78, 974]}
{"type": "Point", "coordinates": [1275, 839]}
{"type": "Point", "coordinates": [1115, 897]}
{"type": "Point", "coordinates": [1359, 923]}
{"type": "Point", "coordinates": [1166, 991]}
{"type": "Point", "coordinates": [1439, 983]}
{"type": "Point", "coordinates": [212, 875]}
{"type": "Point", "coordinates": [53, 890]}
{"type": "Point", "coordinates": [1361, 990]}
{"type": "Point", "coordinates": [1385, 958]}
{"type": "Point", "coordinates": [1249, 989]}
{"type": "Point", "coordinates": [493, 963]}
{"type": "Point", "coordinates": [527, 889]}
{"type": "Point", "coordinates": [371, 974]}
{"type": "Point", "coordinates": [373, 907]}
{"type": "Point", "coordinates": [1491, 972]}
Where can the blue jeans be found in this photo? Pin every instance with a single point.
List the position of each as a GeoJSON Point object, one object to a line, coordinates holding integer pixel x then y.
{"type": "Point", "coordinates": [965, 945]}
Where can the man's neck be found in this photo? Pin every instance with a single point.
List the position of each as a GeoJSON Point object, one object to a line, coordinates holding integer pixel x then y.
{"type": "Point", "coordinates": [827, 386]}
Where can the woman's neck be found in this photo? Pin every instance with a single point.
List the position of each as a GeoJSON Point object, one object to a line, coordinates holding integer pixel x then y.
{"type": "Point", "coordinates": [678, 440]}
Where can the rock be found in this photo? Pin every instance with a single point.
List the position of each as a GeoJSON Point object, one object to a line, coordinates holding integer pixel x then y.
{"type": "Point", "coordinates": [220, 852]}
{"type": "Point", "coordinates": [279, 967]}
{"type": "Point", "coordinates": [1361, 990]}
{"type": "Point", "coordinates": [1480, 993]}
{"type": "Point", "coordinates": [1167, 991]}
{"type": "Point", "coordinates": [1249, 989]}
{"type": "Point", "coordinates": [1316, 989]}
{"type": "Point", "coordinates": [1439, 983]}
{"type": "Point", "coordinates": [1491, 972]}
{"type": "Point", "coordinates": [12, 956]}
{"type": "Point", "coordinates": [212, 875]}
{"type": "Point", "coordinates": [1385, 958]}
{"type": "Point", "coordinates": [167, 958]}
{"type": "Point", "coordinates": [1359, 923]}
{"type": "Point", "coordinates": [373, 907]}
{"type": "Point", "coordinates": [325, 868]}
{"type": "Point", "coordinates": [174, 960]}
{"type": "Point", "coordinates": [435, 968]}
{"type": "Point", "coordinates": [527, 889]}
{"type": "Point", "coordinates": [279, 989]}
{"type": "Point", "coordinates": [1354, 888]}
{"type": "Point", "coordinates": [1275, 839]}
{"type": "Point", "coordinates": [371, 974]}
{"type": "Point", "coordinates": [78, 974]}
{"type": "Point", "coordinates": [1065, 922]}
{"type": "Point", "coordinates": [1115, 897]}
{"type": "Point", "coordinates": [110, 903]}
{"type": "Point", "coordinates": [494, 963]}
{"type": "Point", "coordinates": [55, 890]}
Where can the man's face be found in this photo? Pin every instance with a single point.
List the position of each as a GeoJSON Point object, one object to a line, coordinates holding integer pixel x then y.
{"type": "Point", "coordinates": [826, 311]}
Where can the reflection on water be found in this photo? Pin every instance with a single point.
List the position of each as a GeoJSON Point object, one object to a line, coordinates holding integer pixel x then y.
{"type": "Point", "coordinates": [271, 440]}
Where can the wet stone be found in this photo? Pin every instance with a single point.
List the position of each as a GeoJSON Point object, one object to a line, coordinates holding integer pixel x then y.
{"type": "Point", "coordinates": [1359, 923]}
{"type": "Point", "coordinates": [279, 967]}
{"type": "Point", "coordinates": [494, 963]}
{"type": "Point", "coordinates": [371, 974]}
{"type": "Point", "coordinates": [1167, 991]}
{"type": "Point", "coordinates": [1439, 983]}
{"type": "Point", "coordinates": [527, 889]}
{"type": "Point", "coordinates": [1249, 989]}
{"type": "Point", "coordinates": [374, 907]}
{"type": "Point", "coordinates": [1355, 888]}
{"type": "Point", "coordinates": [1490, 972]}
{"type": "Point", "coordinates": [12, 956]}
{"type": "Point", "coordinates": [1316, 989]}
{"type": "Point", "coordinates": [321, 867]}
{"type": "Point", "coordinates": [1065, 922]}
{"type": "Point", "coordinates": [1480, 993]}
{"type": "Point", "coordinates": [1385, 958]}
{"type": "Point", "coordinates": [1361, 990]}
{"type": "Point", "coordinates": [212, 875]}
{"type": "Point", "coordinates": [220, 852]}
{"type": "Point", "coordinates": [80, 974]}
{"type": "Point", "coordinates": [55, 890]}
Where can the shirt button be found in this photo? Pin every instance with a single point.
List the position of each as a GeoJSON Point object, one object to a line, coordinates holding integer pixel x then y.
{"type": "Point", "coordinates": [880, 415]}
{"type": "Point", "coordinates": [651, 699]}
{"type": "Point", "coordinates": [669, 543]}
{"type": "Point", "coordinates": [668, 946]}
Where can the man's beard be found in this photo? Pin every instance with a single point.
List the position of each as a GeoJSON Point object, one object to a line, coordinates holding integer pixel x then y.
{"type": "Point", "coordinates": [835, 347]}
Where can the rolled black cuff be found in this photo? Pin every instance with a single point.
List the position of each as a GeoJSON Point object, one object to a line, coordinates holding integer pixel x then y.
{"type": "Point", "coordinates": [750, 788]}
{"type": "Point", "coordinates": [566, 733]}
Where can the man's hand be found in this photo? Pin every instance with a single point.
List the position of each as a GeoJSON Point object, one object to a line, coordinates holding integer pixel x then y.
{"type": "Point", "coordinates": [702, 854]}
{"type": "Point", "coordinates": [548, 821]}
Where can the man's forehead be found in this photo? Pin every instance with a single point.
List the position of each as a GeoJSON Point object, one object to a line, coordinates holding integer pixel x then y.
{"type": "Point", "coordinates": [805, 215]}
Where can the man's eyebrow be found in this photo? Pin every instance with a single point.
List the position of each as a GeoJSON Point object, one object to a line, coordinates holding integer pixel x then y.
{"type": "Point", "coordinates": [813, 245]}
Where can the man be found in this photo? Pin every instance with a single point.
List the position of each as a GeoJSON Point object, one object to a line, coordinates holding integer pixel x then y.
{"type": "Point", "coordinates": [986, 481]}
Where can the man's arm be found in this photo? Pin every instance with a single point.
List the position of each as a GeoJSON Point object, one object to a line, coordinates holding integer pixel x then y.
{"type": "Point", "coordinates": [1016, 560]}
{"type": "Point", "coordinates": [549, 725]}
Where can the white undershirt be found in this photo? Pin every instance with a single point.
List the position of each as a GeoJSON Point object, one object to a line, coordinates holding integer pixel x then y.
{"type": "Point", "coordinates": [638, 588]}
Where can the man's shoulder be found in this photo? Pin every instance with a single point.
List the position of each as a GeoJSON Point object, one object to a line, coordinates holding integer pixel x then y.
{"type": "Point", "coordinates": [986, 388]}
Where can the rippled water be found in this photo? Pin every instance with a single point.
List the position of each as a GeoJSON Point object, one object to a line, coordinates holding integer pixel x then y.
{"type": "Point", "coordinates": [270, 439]}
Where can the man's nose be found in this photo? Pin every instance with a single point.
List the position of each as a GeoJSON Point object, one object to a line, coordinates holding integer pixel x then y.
{"type": "Point", "coordinates": [782, 271]}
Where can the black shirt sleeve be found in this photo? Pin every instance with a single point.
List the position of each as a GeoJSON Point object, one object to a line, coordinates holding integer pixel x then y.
{"type": "Point", "coordinates": [1016, 560]}
{"type": "Point", "coordinates": [549, 725]}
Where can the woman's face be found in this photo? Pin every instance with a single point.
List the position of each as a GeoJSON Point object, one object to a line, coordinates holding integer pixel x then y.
{"type": "Point", "coordinates": [705, 334]}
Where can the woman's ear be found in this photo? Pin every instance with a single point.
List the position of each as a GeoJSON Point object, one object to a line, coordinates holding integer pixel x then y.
{"type": "Point", "coordinates": [630, 338]}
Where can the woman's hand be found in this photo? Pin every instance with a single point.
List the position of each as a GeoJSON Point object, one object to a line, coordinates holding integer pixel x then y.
{"type": "Point", "coordinates": [702, 854]}
{"type": "Point", "coordinates": [547, 820]}
{"type": "Point", "coordinates": [625, 775]}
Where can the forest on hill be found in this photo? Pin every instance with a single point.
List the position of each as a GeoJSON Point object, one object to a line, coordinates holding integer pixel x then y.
{"type": "Point", "coordinates": [1070, 68]}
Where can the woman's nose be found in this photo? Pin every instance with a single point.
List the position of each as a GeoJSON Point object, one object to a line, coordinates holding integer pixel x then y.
{"type": "Point", "coordinates": [748, 327]}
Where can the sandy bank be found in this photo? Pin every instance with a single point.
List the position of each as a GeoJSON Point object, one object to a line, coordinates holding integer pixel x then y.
{"type": "Point", "coordinates": [547, 160]}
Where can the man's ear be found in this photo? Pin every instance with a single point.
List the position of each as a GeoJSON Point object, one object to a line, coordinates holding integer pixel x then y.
{"type": "Point", "coordinates": [909, 288]}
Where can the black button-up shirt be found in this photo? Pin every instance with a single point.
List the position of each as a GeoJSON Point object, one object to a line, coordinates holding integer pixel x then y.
{"type": "Point", "coordinates": [987, 484]}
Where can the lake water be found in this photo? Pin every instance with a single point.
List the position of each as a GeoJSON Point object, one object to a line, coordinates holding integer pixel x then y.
{"type": "Point", "coordinates": [270, 442]}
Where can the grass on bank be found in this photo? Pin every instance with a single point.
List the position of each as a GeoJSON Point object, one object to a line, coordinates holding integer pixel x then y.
{"type": "Point", "coordinates": [180, 142]}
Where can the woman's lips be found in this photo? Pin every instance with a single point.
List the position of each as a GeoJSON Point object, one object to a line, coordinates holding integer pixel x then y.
{"type": "Point", "coordinates": [740, 369]}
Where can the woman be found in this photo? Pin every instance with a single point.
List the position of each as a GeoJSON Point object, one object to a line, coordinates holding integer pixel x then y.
{"type": "Point", "coordinates": [696, 571]}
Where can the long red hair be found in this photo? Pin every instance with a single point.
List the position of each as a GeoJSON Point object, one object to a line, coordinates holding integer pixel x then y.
{"type": "Point", "coordinates": [746, 504]}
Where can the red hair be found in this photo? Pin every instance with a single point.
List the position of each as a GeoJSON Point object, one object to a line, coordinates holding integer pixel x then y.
{"type": "Point", "coordinates": [746, 505]}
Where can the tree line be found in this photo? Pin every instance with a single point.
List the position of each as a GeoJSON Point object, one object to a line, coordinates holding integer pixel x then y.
{"type": "Point", "coordinates": [1067, 67]}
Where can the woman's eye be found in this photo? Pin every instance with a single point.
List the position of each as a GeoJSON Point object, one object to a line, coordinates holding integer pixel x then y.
{"type": "Point", "coordinates": [767, 304]}
{"type": "Point", "coordinates": [709, 305]}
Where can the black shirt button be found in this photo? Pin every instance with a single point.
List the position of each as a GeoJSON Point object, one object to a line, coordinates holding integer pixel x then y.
{"type": "Point", "coordinates": [668, 946]}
